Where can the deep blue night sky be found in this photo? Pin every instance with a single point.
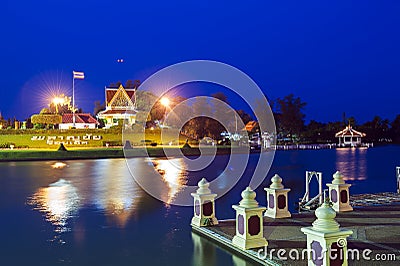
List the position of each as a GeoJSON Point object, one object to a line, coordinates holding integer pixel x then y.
{"type": "Point", "coordinates": [338, 56]}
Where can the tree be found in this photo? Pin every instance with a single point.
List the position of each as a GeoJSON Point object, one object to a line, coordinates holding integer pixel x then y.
{"type": "Point", "coordinates": [244, 116]}
{"type": "Point", "coordinates": [61, 105]}
{"type": "Point", "coordinates": [376, 129]}
{"type": "Point", "coordinates": [222, 113]}
{"type": "Point", "coordinates": [129, 84]}
{"type": "Point", "coordinates": [199, 126]}
{"type": "Point", "coordinates": [45, 111]}
{"type": "Point", "coordinates": [115, 84]}
{"type": "Point", "coordinates": [144, 100]}
{"type": "Point", "coordinates": [46, 119]}
{"type": "Point", "coordinates": [220, 96]}
{"type": "Point", "coordinates": [315, 132]}
{"type": "Point", "coordinates": [395, 129]}
{"type": "Point", "coordinates": [291, 118]}
{"type": "Point", "coordinates": [352, 121]}
{"type": "Point", "coordinates": [98, 106]}
{"type": "Point", "coordinates": [3, 122]}
{"type": "Point", "coordinates": [263, 116]}
{"type": "Point", "coordinates": [177, 112]}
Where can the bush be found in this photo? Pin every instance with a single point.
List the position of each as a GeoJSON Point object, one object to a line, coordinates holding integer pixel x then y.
{"type": "Point", "coordinates": [112, 143]}
{"type": "Point", "coordinates": [38, 126]}
{"type": "Point", "coordinates": [46, 119]}
{"type": "Point", "coordinates": [6, 145]}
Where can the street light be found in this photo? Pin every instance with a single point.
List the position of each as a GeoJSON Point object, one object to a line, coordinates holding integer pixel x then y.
{"type": "Point", "coordinates": [58, 101]}
{"type": "Point", "coordinates": [165, 102]}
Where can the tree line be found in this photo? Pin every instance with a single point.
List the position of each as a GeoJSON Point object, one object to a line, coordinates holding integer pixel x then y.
{"type": "Point", "coordinates": [288, 113]}
{"type": "Point", "coordinates": [290, 122]}
{"type": "Point", "coordinates": [289, 118]}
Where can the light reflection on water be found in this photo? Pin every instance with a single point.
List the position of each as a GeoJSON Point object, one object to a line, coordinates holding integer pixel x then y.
{"type": "Point", "coordinates": [352, 163]}
{"type": "Point", "coordinates": [172, 174]}
{"type": "Point", "coordinates": [59, 202]}
{"type": "Point", "coordinates": [78, 200]}
{"type": "Point", "coordinates": [105, 184]}
{"type": "Point", "coordinates": [116, 194]}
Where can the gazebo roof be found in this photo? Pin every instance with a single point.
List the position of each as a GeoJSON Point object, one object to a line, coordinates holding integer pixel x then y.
{"type": "Point", "coordinates": [349, 132]}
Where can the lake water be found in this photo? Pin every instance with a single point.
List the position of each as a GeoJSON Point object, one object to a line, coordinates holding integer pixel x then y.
{"type": "Point", "coordinates": [92, 212]}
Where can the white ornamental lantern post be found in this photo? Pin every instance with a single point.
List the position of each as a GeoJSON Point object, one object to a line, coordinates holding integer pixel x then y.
{"type": "Point", "coordinates": [339, 193]}
{"type": "Point", "coordinates": [277, 198]}
{"type": "Point", "coordinates": [326, 242]}
{"type": "Point", "coordinates": [249, 222]}
{"type": "Point", "coordinates": [204, 205]}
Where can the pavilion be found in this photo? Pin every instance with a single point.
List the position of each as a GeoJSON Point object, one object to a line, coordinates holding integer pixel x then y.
{"type": "Point", "coordinates": [120, 106]}
{"type": "Point", "coordinates": [349, 137]}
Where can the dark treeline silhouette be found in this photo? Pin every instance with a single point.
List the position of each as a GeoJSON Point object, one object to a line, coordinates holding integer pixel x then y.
{"type": "Point", "coordinates": [288, 113]}
{"type": "Point", "coordinates": [377, 130]}
{"type": "Point", "coordinates": [291, 127]}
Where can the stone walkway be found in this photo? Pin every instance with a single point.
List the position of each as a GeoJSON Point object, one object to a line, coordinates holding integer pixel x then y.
{"type": "Point", "coordinates": [386, 198]}
{"type": "Point", "coordinates": [376, 228]}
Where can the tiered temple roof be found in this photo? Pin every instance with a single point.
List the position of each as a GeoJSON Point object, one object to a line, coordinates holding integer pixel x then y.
{"type": "Point", "coordinates": [120, 104]}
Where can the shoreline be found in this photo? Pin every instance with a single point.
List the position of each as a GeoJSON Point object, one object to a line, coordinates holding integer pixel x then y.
{"type": "Point", "coordinates": [108, 153]}
{"type": "Point", "coordinates": [16, 155]}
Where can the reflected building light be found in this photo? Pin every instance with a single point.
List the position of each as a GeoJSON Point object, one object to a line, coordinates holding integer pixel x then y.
{"type": "Point", "coordinates": [352, 163]}
{"type": "Point", "coordinates": [172, 172]}
{"type": "Point", "coordinates": [58, 165]}
{"type": "Point", "coordinates": [58, 202]}
{"type": "Point", "coordinates": [116, 193]}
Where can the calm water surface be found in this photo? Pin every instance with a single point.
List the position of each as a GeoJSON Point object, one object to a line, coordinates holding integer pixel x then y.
{"type": "Point", "coordinates": [91, 212]}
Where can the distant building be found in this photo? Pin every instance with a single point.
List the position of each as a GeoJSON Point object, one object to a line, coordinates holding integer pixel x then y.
{"type": "Point", "coordinates": [3, 123]}
{"type": "Point", "coordinates": [120, 106]}
{"type": "Point", "coordinates": [349, 137]}
{"type": "Point", "coordinates": [252, 127]}
{"type": "Point", "coordinates": [82, 121]}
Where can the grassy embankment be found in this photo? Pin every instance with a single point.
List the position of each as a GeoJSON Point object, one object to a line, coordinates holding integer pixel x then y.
{"type": "Point", "coordinates": [44, 144]}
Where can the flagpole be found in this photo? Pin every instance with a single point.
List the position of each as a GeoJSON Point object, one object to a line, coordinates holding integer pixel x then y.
{"type": "Point", "coordinates": [73, 99]}
{"type": "Point", "coordinates": [75, 75]}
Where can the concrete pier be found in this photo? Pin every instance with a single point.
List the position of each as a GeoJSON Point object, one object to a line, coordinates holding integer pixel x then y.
{"type": "Point", "coordinates": [375, 222]}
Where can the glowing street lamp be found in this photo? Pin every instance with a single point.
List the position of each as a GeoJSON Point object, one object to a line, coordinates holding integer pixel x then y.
{"type": "Point", "coordinates": [165, 102]}
{"type": "Point", "coordinates": [58, 101]}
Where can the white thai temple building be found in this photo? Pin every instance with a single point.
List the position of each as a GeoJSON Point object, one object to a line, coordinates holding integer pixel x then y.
{"type": "Point", "coordinates": [349, 137]}
{"type": "Point", "coordinates": [120, 105]}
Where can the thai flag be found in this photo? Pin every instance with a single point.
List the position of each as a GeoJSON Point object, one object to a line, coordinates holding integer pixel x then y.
{"type": "Point", "coordinates": [78, 75]}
